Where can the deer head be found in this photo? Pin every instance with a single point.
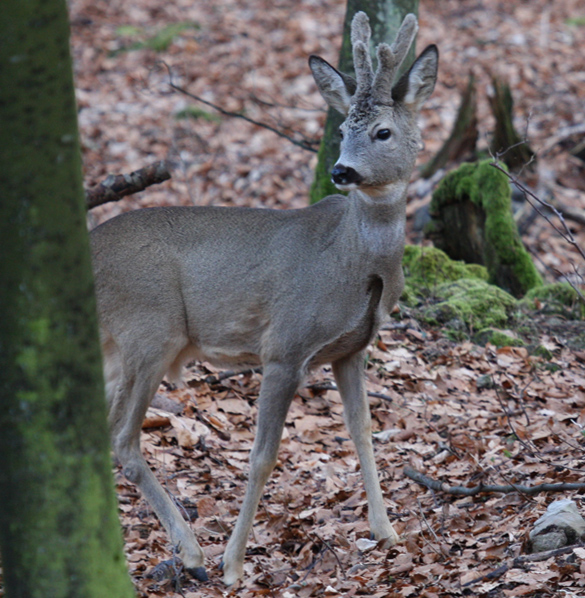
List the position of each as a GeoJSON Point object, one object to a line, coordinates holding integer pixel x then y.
{"type": "Point", "coordinates": [380, 135]}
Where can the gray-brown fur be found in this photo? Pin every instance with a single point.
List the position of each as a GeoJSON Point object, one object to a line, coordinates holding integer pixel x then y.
{"type": "Point", "coordinates": [288, 289]}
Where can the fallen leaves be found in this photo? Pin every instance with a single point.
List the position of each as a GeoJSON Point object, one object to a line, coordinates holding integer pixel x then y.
{"type": "Point", "coordinates": [311, 535]}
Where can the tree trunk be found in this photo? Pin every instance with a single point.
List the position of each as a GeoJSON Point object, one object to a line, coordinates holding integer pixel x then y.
{"type": "Point", "coordinates": [59, 531]}
{"type": "Point", "coordinates": [385, 16]}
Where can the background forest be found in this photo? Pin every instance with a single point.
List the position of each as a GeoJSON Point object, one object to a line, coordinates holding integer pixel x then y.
{"type": "Point", "coordinates": [445, 403]}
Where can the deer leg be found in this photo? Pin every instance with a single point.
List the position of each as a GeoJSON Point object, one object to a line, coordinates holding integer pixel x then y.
{"type": "Point", "coordinates": [132, 395]}
{"type": "Point", "coordinates": [279, 385]}
{"type": "Point", "coordinates": [349, 375]}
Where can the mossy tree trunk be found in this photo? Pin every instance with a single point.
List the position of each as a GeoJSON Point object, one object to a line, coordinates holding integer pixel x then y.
{"type": "Point", "coordinates": [385, 16]}
{"type": "Point", "coordinates": [59, 530]}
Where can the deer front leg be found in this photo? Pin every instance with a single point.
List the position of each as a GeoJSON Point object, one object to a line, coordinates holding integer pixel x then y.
{"type": "Point", "coordinates": [349, 375]}
{"type": "Point", "coordinates": [278, 388]}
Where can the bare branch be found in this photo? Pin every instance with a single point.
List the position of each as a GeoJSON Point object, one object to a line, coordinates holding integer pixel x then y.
{"type": "Point", "coordinates": [537, 204]}
{"type": "Point", "coordinates": [534, 200]}
{"type": "Point", "coordinates": [521, 561]}
{"type": "Point", "coordinates": [424, 480]}
{"type": "Point", "coordinates": [310, 145]}
{"type": "Point", "coordinates": [115, 187]}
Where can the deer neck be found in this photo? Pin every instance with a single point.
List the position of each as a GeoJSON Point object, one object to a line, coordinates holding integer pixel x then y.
{"type": "Point", "coordinates": [381, 219]}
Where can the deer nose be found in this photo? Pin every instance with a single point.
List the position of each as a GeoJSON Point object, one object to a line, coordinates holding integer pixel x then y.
{"type": "Point", "coordinates": [345, 175]}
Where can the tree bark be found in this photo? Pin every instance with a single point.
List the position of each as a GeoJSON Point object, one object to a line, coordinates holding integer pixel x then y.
{"type": "Point", "coordinates": [385, 16]}
{"type": "Point", "coordinates": [59, 531]}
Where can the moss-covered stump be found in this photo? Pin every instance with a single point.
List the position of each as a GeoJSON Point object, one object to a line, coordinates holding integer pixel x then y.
{"type": "Point", "coordinates": [472, 221]}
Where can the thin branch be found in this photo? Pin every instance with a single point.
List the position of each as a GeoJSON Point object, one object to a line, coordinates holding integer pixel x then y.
{"type": "Point", "coordinates": [306, 145]}
{"type": "Point", "coordinates": [322, 386]}
{"type": "Point", "coordinates": [216, 379]}
{"type": "Point", "coordinates": [563, 134]}
{"type": "Point", "coordinates": [529, 195]}
{"type": "Point", "coordinates": [115, 187]}
{"type": "Point", "coordinates": [424, 480]}
{"type": "Point", "coordinates": [317, 387]}
{"type": "Point", "coordinates": [440, 551]}
{"type": "Point", "coordinates": [535, 202]}
{"type": "Point", "coordinates": [531, 449]}
{"type": "Point", "coordinates": [521, 561]}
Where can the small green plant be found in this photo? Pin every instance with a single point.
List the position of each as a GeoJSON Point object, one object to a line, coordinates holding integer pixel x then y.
{"type": "Point", "coordinates": [158, 42]}
{"type": "Point", "coordinates": [197, 113]}
{"type": "Point", "coordinates": [577, 21]}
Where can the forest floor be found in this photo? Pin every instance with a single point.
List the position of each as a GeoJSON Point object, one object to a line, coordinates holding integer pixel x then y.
{"type": "Point", "coordinates": [457, 412]}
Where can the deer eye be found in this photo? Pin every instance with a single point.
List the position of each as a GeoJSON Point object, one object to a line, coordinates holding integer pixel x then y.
{"type": "Point", "coordinates": [383, 134]}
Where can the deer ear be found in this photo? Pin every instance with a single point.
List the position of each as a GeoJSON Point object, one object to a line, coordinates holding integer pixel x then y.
{"type": "Point", "coordinates": [417, 84]}
{"type": "Point", "coordinates": [336, 88]}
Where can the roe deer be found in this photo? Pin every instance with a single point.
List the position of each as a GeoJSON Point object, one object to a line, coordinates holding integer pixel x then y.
{"type": "Point", "coordinates": [287, 289]}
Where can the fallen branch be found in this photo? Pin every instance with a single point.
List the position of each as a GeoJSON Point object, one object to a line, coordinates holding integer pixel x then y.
{"type": "Point", "coordinates": [317, 387]}
{"type": "Point", "coordinates": [322, 386]}
{"type": "Point", "coordinates": [520, 561]}
{"type": "Point", "coordinates": [424, 480]}
{"type": "Point", "coordinates": [217, 378]}
{"type": "Point", "coordinates": [115, 187]}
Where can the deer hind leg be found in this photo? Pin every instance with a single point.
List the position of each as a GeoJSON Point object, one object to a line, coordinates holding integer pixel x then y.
{"type": "Point", "coordinates": [349, 375]}
{"type": "Point", "coordinates": [279, 384]}
{"type": "Point", "coordinates": [134, 377]}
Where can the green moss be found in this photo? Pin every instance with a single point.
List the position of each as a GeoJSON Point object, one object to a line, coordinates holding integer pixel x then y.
{"type": "Point", "coordinates": [158, 42]}
{"type": "Point", "coordinates": [472, 302]}
{"type": "Point", "coordinates": [507, 261]}
{"type": "Point", "coordinates": [197, 113]}
{"type": "Point", "coordinates": [428, 266]}
{"type": "Point", "coordinates": [498, 338]}
{"type": "Point", "coordinates": [557, 296]}
{"type": "Point", "coordinates": [541, 351]}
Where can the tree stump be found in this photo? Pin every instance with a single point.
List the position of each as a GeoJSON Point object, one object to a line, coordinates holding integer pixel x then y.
{"type": "Point", "coordinates": [462, 142]}
{"type": "Point", "coordinates": [472, 221]}
{"type": "Point", "coordinates": [507, 144]}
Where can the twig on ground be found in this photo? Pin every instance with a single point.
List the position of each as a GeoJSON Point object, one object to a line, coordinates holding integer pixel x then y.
{"type": "Point", "coordinates": [424, 480]}
{"type": "Point", "coordinates": [115, 187]}
{"type": "Point", "coordinates": [519, 561]}
{"type": "Point", "coordinates": [322, 386]}
{"type": "Point", "coordinates": [438, 551]}
{"type": "Point", "coordinates": [217, 378]}
{"type": "Point", "coordinates": [328, 547]}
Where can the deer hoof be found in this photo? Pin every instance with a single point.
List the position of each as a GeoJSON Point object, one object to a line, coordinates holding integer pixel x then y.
{"type": "Point", "coordinates": [384, 543]}
{"type": "Point", "coordinates": [231, 574]}
{"type": "Point", "coordinates": [198, 573]}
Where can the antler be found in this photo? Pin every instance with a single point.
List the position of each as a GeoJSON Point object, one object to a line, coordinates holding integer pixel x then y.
{"type": "Point", "coordinates": [390, 58]}
{"type": "Point", "coordinates": [362, 62]}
